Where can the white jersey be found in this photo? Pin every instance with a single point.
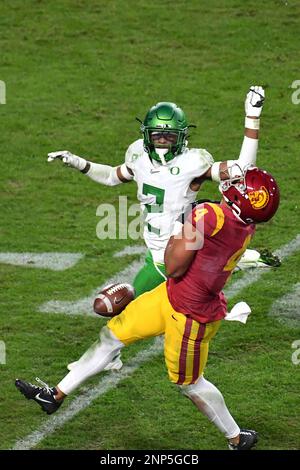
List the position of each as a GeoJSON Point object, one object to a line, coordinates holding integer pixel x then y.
{"type": "Point", "coordinates": [164, 190]}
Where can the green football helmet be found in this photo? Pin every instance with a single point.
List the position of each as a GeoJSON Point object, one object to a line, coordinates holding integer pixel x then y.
{"type": "Point", "coordinates": [164, 127]}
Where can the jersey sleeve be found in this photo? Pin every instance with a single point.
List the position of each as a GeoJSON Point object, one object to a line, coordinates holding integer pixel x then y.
{"type": "Point", "coordinates": [202, 161]}
{"type": "Point", "coordinates": [133, 152]}
{"type": "Point", "coordinates": [208, 218]}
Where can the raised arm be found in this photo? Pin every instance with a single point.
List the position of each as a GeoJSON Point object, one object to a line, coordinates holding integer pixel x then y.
{"type": "Point", "coordinates": [103, 174]}
{"type": "Point", "coordinates": [253, 107]}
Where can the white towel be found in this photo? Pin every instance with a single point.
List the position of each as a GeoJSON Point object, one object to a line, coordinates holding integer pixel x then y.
{"type": "Point", "coordinates": [239, 312]}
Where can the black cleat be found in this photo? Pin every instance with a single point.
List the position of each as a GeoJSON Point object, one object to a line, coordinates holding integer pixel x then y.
{"type": "Point", "coordinates": [44, 396]}
{"type": "Point", "coordinates": [269, 259]}
{"type": "Point", "coordinates": [248, 439]}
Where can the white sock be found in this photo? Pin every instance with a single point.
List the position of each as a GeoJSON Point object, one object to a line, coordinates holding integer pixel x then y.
{"type": "Point", "coordinates": [93, 361]}
{"type": "Point", "coordinates": [209, 400]}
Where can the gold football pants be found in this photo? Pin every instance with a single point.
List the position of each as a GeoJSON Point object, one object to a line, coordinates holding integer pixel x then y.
{"type": "Point", "coordinates": [186, 340]}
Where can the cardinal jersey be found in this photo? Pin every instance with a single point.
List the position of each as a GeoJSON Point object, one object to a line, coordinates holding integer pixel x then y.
{"type": "Point", "coordinates": [163, 190]}
{"type": "Point", "coordinates": [198, 293]}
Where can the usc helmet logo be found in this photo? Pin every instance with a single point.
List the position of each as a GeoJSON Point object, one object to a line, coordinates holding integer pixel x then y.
{"type": "Point", "coordinates": [259, 199]}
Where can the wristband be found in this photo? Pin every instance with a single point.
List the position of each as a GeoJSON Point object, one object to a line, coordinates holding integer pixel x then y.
{"type": "Point", "coordinates": [86, 168]}
{"type": "Point", "coordinates": [251, 123]}
{"type": "Point", "coordinates": [125, 172]}
{"type": "Point", "coordinates": [215, 171]}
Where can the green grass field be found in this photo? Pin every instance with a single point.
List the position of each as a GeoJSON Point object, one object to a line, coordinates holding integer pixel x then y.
{"type": "Point", "coordinates": [77, 74]}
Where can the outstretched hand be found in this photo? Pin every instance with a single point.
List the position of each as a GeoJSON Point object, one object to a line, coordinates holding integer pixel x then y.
{"type": "Point", "coordinates": [68, 159]}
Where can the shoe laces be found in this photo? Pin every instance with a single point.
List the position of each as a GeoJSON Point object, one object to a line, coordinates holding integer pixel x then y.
{"type": "Point", "coordinates": [44, 385]}
{"type": "Point", "coordinates": [246, 433]}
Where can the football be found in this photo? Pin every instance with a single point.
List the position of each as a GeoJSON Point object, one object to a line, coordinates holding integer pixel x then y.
{"type": "Point", "coordinates": [112, 300]}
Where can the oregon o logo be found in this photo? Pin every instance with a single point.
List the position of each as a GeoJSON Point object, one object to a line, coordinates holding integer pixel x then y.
{"type": "Point", "coordinates": [174, 170]}
{"type": "Point", "coordinates": [259, 199]}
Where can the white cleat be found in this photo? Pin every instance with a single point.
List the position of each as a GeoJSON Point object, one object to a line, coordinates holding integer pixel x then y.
{"type": "Point", "coordinates": [116, 364]}
{"type": "Point", "coordinates": [255, 259]}
{"type": "Point", "coordinates": [250, 259]}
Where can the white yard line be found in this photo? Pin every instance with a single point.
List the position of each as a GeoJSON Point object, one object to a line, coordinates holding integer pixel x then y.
{"type": "Point", "coordinates": [2, 352]}
{"type": "Point", "coordinates": [110, 381]}
{"type": "Point", "coordinates": [54, 261]}
{"type": "Point", "coordinates": [286, 309]}
{"type": "Point", "coordinates": [131, 250]}
{"type": "Point", "coordinates": [106, 383]}
{"type": "Point", "coordinates": [253, 275]}
{"type": "Point", "coordinates": [84, 306]}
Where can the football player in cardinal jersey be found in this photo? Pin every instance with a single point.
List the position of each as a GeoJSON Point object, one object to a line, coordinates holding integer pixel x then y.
{"type": "Point", "coordinates": [189, 307]}
{"type": "Point", "coordinates": [168, 176]}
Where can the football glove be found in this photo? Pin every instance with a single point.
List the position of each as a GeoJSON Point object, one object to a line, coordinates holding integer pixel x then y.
{"type": "Point", "coordinates": [254, 101]}
{"type": "Point", "coordinates": [68, 159]}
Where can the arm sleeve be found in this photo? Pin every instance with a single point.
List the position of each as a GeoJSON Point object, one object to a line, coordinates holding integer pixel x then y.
{"type": "Point", "coordinates": [247, 157]}
{"type": "Point", "coordinates": [103, 174]}
{"type": "Point", "coordinates": [248, 152]}
{"type": "Point", "coordinates": [107, 175]}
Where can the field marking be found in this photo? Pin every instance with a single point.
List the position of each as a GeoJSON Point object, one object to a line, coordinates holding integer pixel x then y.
{"type": "Point", "coordinates": [253, 275]}
{"type": "Point", "coordinates": [286, 309]}
{"type": "Point", "coordinates": [84, 306]}
{"type": "Point", "coordinates": [2, 352]}
{"type": "Point", "coordinates": [54, 261]}
{"type": "Point", "coordinates": [110, 381]}
{"type": "Point", "coordinates": [106, 383]}
{"type": "Point", "coordinates": [131, 250]}
{"type": "Point", "coordinates": [2, 92]}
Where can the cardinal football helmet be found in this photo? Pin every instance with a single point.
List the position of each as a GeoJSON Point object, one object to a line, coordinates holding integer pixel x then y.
{"type": "Point", "coordinates": [168, 121]}
{"type": "Point", "coordinates": [253, 197]}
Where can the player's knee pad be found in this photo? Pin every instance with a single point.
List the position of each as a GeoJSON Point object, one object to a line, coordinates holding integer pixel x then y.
{"type": "Point", "coordinates": [109, 341]}
{"type": "Point", "coordinates": [203, 390]}
{"type": "Point", "coordinates": [189, 390]}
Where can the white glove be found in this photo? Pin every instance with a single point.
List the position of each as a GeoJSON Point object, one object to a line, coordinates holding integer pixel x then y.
{"type": "Point", "coordinates": [68, 159]}
{"type": "Point", "coordinates": [254, 101]}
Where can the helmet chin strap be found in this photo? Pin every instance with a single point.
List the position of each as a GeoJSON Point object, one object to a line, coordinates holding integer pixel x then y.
{"type": "Point", "coordinates": [161, 153]}
{"type": "Point", "coordinates": [234, 208]}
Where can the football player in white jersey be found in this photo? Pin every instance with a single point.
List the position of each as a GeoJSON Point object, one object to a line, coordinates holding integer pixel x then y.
{"type": "Point", "coordinates": [168, 176]}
